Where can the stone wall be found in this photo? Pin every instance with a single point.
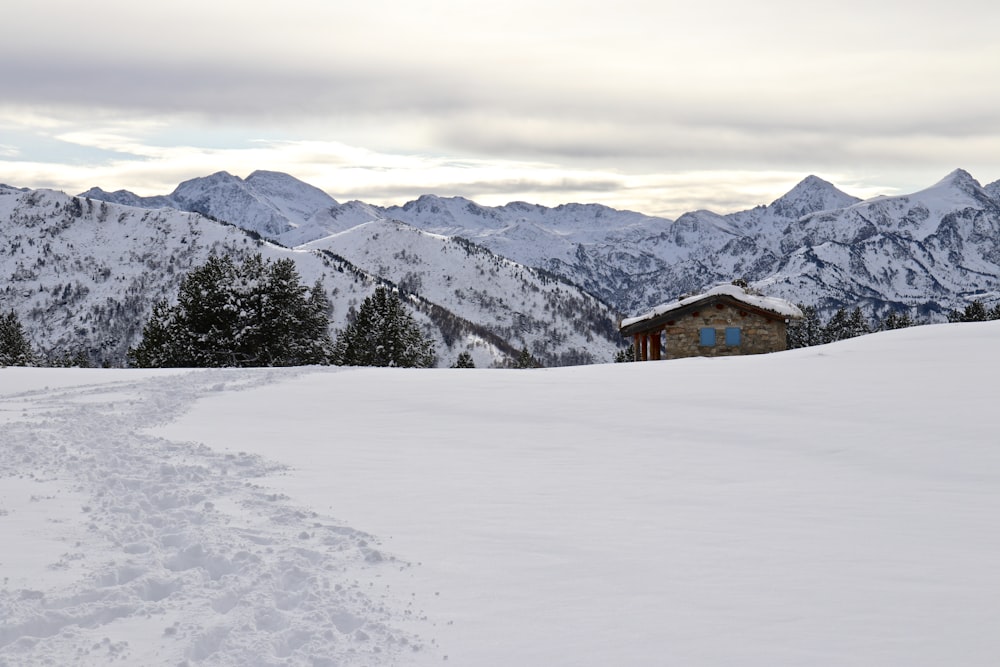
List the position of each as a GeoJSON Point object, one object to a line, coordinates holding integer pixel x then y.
{"type": "Point", "coordinates": [759, 334]}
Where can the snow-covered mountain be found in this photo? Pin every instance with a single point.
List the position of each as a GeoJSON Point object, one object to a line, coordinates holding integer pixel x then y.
{"type": "Point", "coordinates": [928, 252]}
{"type": "Point", "coordinates": [83, 275]}
{"type": "Point", "coordinates": [538, 236]}
{"type": "Point", "coordinates": [925, 252]}
{"type": "Point", "coordinates": [267, 202]}
{"type": "Point", "coordinates": [591, 245]}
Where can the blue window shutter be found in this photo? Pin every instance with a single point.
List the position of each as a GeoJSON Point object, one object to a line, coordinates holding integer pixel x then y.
{"type": "Point", "coordinates": [707, 337]}
{"type": "Point", "coordinates": [733, 336]}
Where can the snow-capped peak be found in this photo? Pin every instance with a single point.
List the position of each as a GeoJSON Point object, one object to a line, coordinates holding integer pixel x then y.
{"type": "Point", "coordinates": [195, 189]}
{"type": "Point", "coordinates": [959, 179]}
{"type": "Point", "coordinates": [278, 185]}
{"type": "Point", "coordinates": [212, 180]}
{"type": "Point", "coordinates": [294, 199]}
{"type": "Point", "coordinates": [959, 189]}
{"type": "Point", "coordinates": [125, 198]}
{"type": "Point", "coordinates": [811, 195]}
{"type": "Point", "coordinates": [266, 202]}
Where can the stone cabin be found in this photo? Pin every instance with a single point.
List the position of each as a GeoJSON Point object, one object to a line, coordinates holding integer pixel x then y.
{"type": "Point", "coordinates": [724, 321]}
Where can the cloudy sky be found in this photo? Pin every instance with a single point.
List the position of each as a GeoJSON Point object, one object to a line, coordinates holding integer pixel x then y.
{"type": "Point", "coordinates": [657, 106]}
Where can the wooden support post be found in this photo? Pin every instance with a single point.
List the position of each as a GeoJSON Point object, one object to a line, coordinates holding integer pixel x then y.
{"type": "Point", "coordinates": [645, 346]}
{"type": "Point", "coordinates": [654, 352]}
{"type": "Point", "coordinates": [636, 349]}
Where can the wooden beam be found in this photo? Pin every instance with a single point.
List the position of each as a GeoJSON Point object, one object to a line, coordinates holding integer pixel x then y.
{"type": "Point", "coordinates": [654, 353]}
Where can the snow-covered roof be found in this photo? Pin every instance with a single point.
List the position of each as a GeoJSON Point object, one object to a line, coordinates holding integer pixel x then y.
{"type": "Point", "coordinates": [771, 304]}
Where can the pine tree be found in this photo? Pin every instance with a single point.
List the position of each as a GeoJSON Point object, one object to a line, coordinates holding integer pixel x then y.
{"type": "Point", "coordinates": [253, 314]}
{"type": "Point", "coordinates": [836, 328]}
{"type": "Point", "coordinates": [383, 333]}
{"type": "Point", "coordinates": [807, 331]}
{"type": "Point", "coordinates": [857, 325]}
{"type": "Point", "coordinates": [525, 360]}
{"type": "Point", "coordinates": [464, 361]}
{"type": "Point", "coordinates": [974, 312]}
{"type": "Point", "coordinates": [290, 321]}
{"type": "Point", "coordinates": [158, 346]}
{"type": "Point", "coordinates": [626, 355]}
{"type": "Point", "coordinates": [844, 325]}
{"type": "Point", "coordinates": [78, 359]}
{"type": "Point", "coordinates": [204, 331]}
{"type": "Point", "coordinates": [15, 350]}
{"type": "Point", "coordinates": [895, 320]}
{"type": "Point", "coordinates": [313, 344]}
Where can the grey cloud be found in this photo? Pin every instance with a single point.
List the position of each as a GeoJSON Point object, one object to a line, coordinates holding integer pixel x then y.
{"type": "Point", "coordinates": [473, 189]}
{"type": "Point", "coordinates": [225, 89]}
{"type": "Point", "coordinates": [634, 127]}
{"type": "Point", "coordinates": [712, 143]}
{"type": "Point", "coordinates": [497, 114]}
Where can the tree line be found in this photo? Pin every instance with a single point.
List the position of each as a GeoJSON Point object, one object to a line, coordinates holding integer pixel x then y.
{"type": "Point", "coordinates": [16, 350]}
{"type": "Point", "coordinates": [843, 324]}
{"type": "Point", "coordinates": [258, 313]}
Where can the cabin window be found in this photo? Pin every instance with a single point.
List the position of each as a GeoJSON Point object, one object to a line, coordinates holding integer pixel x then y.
{"type": "Point", "coordinates": [733, 336]}
{"type": "Point", "coordinates": [707, 337]}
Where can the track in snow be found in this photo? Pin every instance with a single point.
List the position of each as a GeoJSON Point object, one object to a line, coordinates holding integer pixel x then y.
{"type": "Point", "coordinates": [178, 553]}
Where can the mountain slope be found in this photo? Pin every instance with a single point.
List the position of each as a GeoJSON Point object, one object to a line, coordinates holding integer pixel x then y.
{"type": "Point", "coordinates": [993, 190]}
{"type": "Point", "coordinates": [557, 322]}
{"type": "Point", "coordinates": [83, 275]}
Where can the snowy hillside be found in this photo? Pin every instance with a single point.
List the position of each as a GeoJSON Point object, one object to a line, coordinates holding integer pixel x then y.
{"type": "Point", "coordinates": [83, 275]}
{"type": "Point", "coordinates": [927, 252]}
{"type": "Point", "coordinates": [829, 506]}
{"type": "Point", "coordinates": [556, 322]}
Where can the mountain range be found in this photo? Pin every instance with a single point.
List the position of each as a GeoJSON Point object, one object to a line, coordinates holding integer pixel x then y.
{"type": "Point", "coordinates": [925, 252]}
{"type": "Point", "coordinates": [83, 274]}
{"type": "Point", "coordinates": [83, 270]}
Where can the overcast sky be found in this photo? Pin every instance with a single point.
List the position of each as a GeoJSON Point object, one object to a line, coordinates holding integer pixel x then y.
{"type": "Point", "coordinates": [656, 106]}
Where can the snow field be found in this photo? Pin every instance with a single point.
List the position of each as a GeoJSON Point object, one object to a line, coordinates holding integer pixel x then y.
{"type": "Point", "coordinates": [828, 506]}
{"type": "Point", "coordinates": [157, 552]}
